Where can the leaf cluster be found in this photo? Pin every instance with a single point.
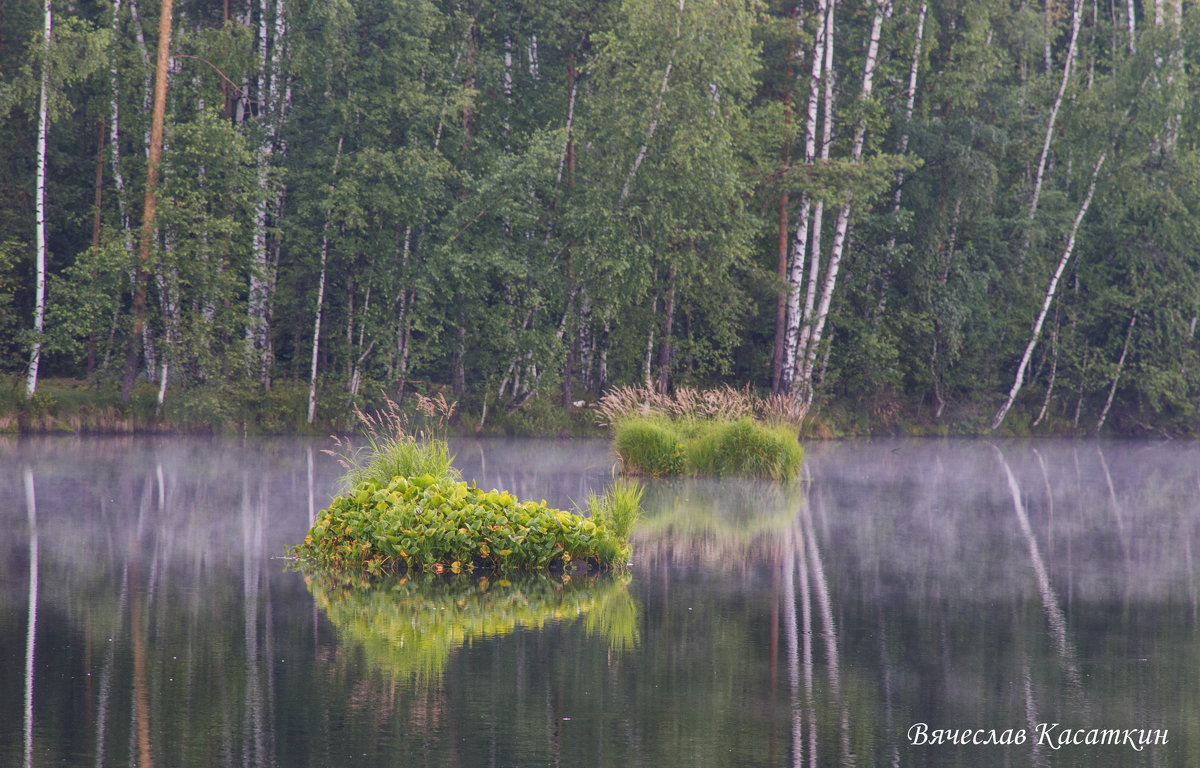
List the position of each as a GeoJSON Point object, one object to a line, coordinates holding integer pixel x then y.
{"type": "Point", "coordinates": [426, 524]}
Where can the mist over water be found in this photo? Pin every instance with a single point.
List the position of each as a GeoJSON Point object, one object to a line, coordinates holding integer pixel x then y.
{"type": "Point", "coordinates": [901, 603]}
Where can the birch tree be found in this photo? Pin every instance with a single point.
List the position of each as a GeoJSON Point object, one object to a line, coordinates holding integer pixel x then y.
{"type": "Point", "coordinates": [800, 246]}
{"type": "Point", "coordinates": [39, 311]}
{"type": "Point", "coordinates": [806, 356]}
{"type": "Point", "coordinates": [1051, 289]}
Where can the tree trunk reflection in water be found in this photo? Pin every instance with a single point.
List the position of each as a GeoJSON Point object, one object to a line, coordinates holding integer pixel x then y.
{"type": "Point", "coordinates": [792, 634]}
{"type": "Point", "coordinates": [1054, 613]}
{"type": "Point", "coordinates": [828, 628]}
{"type": "Point", "coordinates": [31, 621]}
{"type": "Point", "coordinates": [257, 746]}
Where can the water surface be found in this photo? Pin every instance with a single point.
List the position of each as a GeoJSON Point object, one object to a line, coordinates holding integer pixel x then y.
{"type": "Point", "coordinates": [1043, 592]}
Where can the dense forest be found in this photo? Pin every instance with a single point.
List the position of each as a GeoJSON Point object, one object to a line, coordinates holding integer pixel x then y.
{"type": "Point", "coordinates": [953, 214]}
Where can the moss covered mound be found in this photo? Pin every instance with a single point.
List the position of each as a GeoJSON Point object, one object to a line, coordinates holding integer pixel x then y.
{"type": "Point", "coordinates": [430, 524]}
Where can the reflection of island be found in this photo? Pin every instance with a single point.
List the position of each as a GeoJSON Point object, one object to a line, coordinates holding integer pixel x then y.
{"type": "Point", "coordinates": [409, 626]}
{"type": "Point", "coordinates": [717, 522]}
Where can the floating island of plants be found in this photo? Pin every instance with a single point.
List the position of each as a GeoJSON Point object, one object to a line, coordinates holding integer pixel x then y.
{"type": "Point", "coordinates": [426, 524]}
{"type": "Point", "coordinates": [717, 432]}
{"type": "Point", "coordinates": [404, 508]}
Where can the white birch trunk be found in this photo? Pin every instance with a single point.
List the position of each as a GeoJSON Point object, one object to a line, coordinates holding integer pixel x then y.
{"type": "Point", "coordinates": [818, 224]}
{"type": "Point", "coordinates": [562, 160]}
{"type": "Point", "coordinates": [256, 304]}
{"type": "Point", "coordinates": [39, 306]}
{"type": "Point", "coordinates": [114, 139]}
{"type": "Point", "coordinates": [274, 97]}
{"type": "Point", "coordinates": [654, 114]}
{"type": "Point", "coordinates": [1112, 391]}
{"type": "Point", "coordinates": [1062, 89]}
{"type": "Point", "coordinates": [882, 8]}
{"type": "Point", "coordinates": [312, 389]}
{"type": "Point", "coordinates": [1050, 291]}
{"type": "Point", "coordinates": [909, 105]}
{"type": "Point", "coordinates": [796, 273]}
{"type": "Point", "coordinates": [1132, 20]}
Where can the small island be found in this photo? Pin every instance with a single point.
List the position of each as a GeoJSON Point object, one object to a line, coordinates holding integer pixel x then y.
{"type": "Point", "coordinates": [404, 508]}
{"type": "Point", "coordinates": [431, 525]}
{"type": "Point", "coordinates": [718, 432]}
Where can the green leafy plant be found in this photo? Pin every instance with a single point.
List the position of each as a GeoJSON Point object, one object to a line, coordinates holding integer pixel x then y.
{"type": "Point", "coordinates": [427, 523]}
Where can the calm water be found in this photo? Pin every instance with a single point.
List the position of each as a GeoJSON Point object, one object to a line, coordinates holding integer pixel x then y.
{"type": "Point", "coordinates": [148, 617]}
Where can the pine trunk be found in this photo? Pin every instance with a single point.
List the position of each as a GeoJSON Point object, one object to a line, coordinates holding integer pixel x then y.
{"type": "Point", "coordinates": [151, 199]}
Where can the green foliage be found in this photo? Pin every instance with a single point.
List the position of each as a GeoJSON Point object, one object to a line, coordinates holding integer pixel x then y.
{"type": "Point", "coordinates": [745, 448]}
{"type": "Point", "coordinates": [426, 523]}
{"type": "Point", "coordinates": [651, 446]}
{"type": "Point", "coordinates": [663, 447]}
{"type": "Point", "coordinates": [403, 506]}
{"type": "Point", "coordinates": [391, 456]}
{"type": "Point", "coordinates": [617, 509]}
{"type": "Point", "coordinates": [518, 202]}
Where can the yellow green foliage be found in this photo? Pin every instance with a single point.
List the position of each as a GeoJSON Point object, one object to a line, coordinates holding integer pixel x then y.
{"type": "Point", "coordinates": [425, 523]}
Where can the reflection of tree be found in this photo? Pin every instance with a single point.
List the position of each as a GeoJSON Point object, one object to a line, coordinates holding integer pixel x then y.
{"type": "Point", "coordinates": [31, 622]}
{"type": "Point", "coordinates": [408, 627]}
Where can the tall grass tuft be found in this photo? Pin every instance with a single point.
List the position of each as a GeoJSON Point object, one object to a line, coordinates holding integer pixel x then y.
{"type": "Point", "coordinates": [391, 451]}
{"type": "Point", "coordinates": [699, 405]}
{"type": "Point", "coordinates": [617, 509]}
{"type": "Point", "coordinates": [650, 446]}
{"type": "Point", "coordinates": [720, 432]}
{"type": "Point", "coordinates": [747, 448]}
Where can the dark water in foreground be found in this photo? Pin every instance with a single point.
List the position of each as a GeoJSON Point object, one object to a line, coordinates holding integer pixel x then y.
{"type": "Point", "coordinates": [1044, 591]}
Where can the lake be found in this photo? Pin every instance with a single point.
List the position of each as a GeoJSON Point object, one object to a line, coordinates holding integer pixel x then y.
{"type": "Point", "coordinates": [906, 603]}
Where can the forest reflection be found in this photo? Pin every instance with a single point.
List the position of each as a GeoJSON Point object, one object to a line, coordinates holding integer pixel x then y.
{"type": "Point", "coordinates": [151, 618]}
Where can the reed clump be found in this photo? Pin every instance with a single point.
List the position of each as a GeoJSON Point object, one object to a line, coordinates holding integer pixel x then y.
{"type": "Point", "coordinates": [721, 432]}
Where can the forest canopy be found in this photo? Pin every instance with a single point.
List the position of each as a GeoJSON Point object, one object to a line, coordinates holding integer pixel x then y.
{"type": "Point", "coordinates": [971, 212]}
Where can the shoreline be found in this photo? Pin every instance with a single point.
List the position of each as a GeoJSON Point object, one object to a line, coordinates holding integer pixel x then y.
{"type": "Point", "coordinates": [70, 406]}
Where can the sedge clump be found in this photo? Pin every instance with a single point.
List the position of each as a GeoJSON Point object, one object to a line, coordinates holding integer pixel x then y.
{"type": "Point", "coordinates": [722, 432]}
